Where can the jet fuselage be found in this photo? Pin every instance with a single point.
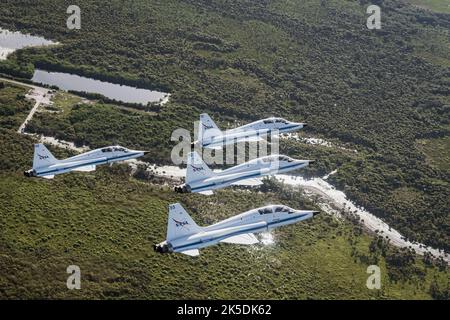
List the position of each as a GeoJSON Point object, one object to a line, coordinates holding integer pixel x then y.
{"type": "Point", "coordinates": [253, 221]}
{"type": "Point", "coordinates": [251, 132]}
{"type": "Point", "coordinates": [256, 168]}
{"type": "Point", "coordinates": [91, 158]}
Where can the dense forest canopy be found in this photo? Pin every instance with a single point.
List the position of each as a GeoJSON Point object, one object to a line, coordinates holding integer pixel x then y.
{"type": "Point", "coordinates": [107, 221]}
{"type": "Point", "coordinates": [381, 91]}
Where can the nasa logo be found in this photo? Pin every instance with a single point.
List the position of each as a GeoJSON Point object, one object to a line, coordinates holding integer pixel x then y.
{"type": "Point", "coordinates": [207, 127]}
{"type": "Point", "coordinates": [180, 223]}
{"type": "Point", "coordinates": [197, 168]}
{"type": "Point", "coordinates": [42, 157]}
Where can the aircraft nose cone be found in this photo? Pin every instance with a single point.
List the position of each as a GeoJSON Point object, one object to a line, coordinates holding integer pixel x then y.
{"type": "Point", "coordinates": [315, 213]}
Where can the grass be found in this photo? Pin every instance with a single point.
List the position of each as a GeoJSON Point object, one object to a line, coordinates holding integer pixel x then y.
{"type": "Point", "coordinates": [107, 223]}
{"type": "Point", "coordinates": [437, 152]}
{"type": "Point", "coordinates": [65, 101]}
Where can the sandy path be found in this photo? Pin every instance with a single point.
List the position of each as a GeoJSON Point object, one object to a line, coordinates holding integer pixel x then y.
{"type": "Point", "coordinates": [38, 94]}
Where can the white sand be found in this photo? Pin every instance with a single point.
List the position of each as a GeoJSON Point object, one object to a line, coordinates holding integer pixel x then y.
{"type": "Point", "coordinates": [314, 141]}
{"type": "Point", "coordinates": [339, 200]}
{"type": "Point", "coordinates": [5, 52]}
{"type": "Point", "coordinates": [334, 201]}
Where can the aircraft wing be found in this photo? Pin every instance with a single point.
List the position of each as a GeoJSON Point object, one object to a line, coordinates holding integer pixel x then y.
{"type": "Point", "coordinates": [87, 168]}
{"type": "Point", "coordinates": [48, 177]}
{"type": "Point", "coordinates": [252, 139]}
{"type": "Point", "coordinates": [246, 238]}
{"type": "Point", "coordinates": [207, 192]}
{"type": "Point", "coordinates": [192, 253]}
{"type": "Point", "coordinates": [248, 182]}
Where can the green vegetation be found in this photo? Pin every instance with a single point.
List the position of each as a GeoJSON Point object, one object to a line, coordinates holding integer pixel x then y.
{"type": "Point", "coordinates": [107, 225]}
{"type": "Point", "coordinates": [437, 152]}
{"type": "Point", "coordinates": [97, 125]}
{"type": "Point", "coordinates": [107, 222]}
{"type": "Point", "coordinates": [376, 91]}
{"type": "Point", "coordinates": [13, 106]}
{"type": "Point", "coordinates": [435, 5]}
{"type": "Point", "coordinates": [379, 92]}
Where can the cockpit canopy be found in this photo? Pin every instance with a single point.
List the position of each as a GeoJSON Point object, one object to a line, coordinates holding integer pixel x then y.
{"type": "Point", "coordinates": [275, 120]}
{"type": "Point", "coordinates": [277, 158]}
{"type": "Point", "coordinates": [281, 120]}
{"type": "Point", "coordinates": [283, 209]}
{"type": "Point", "coordinates": [266, 210]}
{"type": "Point", "coordinates": [272, 209]}
{"type": "Point", "coordinates": [115, 149]}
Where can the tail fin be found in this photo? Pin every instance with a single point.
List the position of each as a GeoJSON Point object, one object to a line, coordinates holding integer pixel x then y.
{"type": "Point", "coordinates": [196, 168]}
{"type": "Point", "coordinates": [207, 128]}
{"type": "Point", "coordinates": [42, 157]}
{"type": "Point", "coordinates": [180, 223]}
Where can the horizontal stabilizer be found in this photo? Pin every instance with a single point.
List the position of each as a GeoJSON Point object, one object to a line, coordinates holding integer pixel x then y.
{"type": "Point", "coordinates": [48, 177]}
{"type": "Point", "coordinates": [246, 238]}
{"type": "Point", "coordinates": [248, 182]}
{"type": "Point", "coordinates": [192, 253]}
{"type": "Point", "coordinates": [88, 168]}
{"type": "Point", "coordinates": [207, 192]}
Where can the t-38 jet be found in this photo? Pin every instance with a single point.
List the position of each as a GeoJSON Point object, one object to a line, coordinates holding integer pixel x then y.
{"type": "Point", "coordinates": [47, 166]}
{"type": "Point", "coordinates": [200, 178]}
{"type": "Point", "coordinates": [210, 136]}
{"type": "Point", "coordinates": [185, 236]}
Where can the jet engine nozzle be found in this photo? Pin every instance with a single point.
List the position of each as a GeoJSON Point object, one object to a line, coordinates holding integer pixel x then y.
{"type": "Point", "coordinates": [29, 173]}
{"type": "Point", "coordinates": [195, 143]}
{"type": "Point", "coordinates": [162, 247]}
{"type": "Point", "coordinates": [182, 189]}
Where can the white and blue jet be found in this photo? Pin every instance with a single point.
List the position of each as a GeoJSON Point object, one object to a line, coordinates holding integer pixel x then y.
{"type": "Point", "coordinates": [210, 136]}
{"type": "Point", "coordinates": [201, 179]}
{"type": "Point", "coordinates": [47, 166]}
{"type": "Point", "coordinates": [185, 236]}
